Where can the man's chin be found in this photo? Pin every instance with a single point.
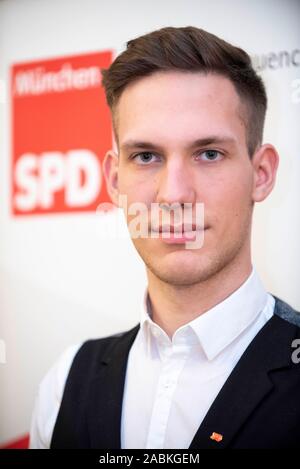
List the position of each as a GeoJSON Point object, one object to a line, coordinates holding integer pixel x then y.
{"type": "Point", "coordinates": [177, 272]}
{"type": "Point", "coordinates": [175, 265]}
{"type": "Point", "coordinates": [179, 278]}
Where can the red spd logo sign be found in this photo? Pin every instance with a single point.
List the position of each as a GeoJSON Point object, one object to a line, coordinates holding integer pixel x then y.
{"type": "Point", "coordinates": [61, 129]}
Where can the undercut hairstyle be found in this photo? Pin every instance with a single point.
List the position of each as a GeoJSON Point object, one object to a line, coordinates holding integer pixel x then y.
{"type": "Point", "coordinates": [190, 49]}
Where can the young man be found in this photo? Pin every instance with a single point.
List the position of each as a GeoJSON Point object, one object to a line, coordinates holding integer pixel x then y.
{"type": "Point", "coordinates": [211, 363]}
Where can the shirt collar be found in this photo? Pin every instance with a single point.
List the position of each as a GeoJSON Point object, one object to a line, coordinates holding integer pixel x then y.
{"type": "Point", "coordinates": [219, 326]}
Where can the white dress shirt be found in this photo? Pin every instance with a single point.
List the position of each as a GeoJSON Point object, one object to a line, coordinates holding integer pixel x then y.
{"type": "Point", "coordinates": [170, 384]}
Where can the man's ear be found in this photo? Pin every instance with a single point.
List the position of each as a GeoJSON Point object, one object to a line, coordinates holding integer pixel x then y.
{"type": "Point", "coordinates": [265, 163]}
{"type": "Point", "coordinates": [110, 171]}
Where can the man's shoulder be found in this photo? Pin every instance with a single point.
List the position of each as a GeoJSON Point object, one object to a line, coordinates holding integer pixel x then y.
{"type": "Point", "coordinates": [286, 312]}
{"type": "Point", "coordinates": [106, 342]}
{"type": "Point", "coordinates": [95, 351]}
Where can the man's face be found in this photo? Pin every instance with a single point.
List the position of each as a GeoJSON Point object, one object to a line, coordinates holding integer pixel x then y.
{"type": "Point", "coordinates": [170, 111]}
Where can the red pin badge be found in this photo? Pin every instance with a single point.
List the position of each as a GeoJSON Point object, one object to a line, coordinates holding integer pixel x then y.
{"type": "Point", "coordinates": [216, 437]}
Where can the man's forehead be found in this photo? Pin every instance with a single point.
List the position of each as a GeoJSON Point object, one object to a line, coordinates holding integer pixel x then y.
{"type": "Point", "coordinates": [149, 112]}
{"type": "Point", "coordinates": [176, 85]}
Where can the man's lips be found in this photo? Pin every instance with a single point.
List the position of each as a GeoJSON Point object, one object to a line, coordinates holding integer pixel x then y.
{"type": "Point", "coordinates": [186, 228]}
{"type": "Point", "coordinates": [177, 235]}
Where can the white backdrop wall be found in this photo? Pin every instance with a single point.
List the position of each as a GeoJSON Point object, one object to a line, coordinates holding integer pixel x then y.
{"type": "Point", "coordinates": [60, 282]}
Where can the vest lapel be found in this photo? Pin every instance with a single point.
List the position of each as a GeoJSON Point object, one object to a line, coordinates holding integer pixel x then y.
{"type": "Point", "coordinates": [105, 399]}
{"type": "Point", "coordinates": [248, 384]}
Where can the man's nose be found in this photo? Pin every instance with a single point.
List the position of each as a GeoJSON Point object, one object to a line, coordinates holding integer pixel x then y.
{"type": "Point", "coordinates": [175, 184]}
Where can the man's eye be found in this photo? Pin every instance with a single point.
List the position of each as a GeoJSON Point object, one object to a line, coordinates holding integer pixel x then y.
{"type": "Point", "coordinates": [147, 157]}
{"type": "Point", "coordinates": [144, 157]}
{"type": "Point", "coordinates": [210, 155]}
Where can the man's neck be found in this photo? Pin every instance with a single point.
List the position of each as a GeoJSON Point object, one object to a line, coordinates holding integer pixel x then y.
{"type": "Point", "coordinates": [172, 306]}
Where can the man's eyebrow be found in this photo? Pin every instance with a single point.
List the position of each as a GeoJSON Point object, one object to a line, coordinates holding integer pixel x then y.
{"type": "Point", "coordinates": [212, 139]}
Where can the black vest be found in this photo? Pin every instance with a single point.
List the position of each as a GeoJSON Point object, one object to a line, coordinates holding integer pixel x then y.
{"type": "Point", "coordinates": [258, 406]}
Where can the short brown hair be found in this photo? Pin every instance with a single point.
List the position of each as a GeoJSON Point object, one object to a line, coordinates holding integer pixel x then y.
{"type": "Point", "coordinates": [190, 49]}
